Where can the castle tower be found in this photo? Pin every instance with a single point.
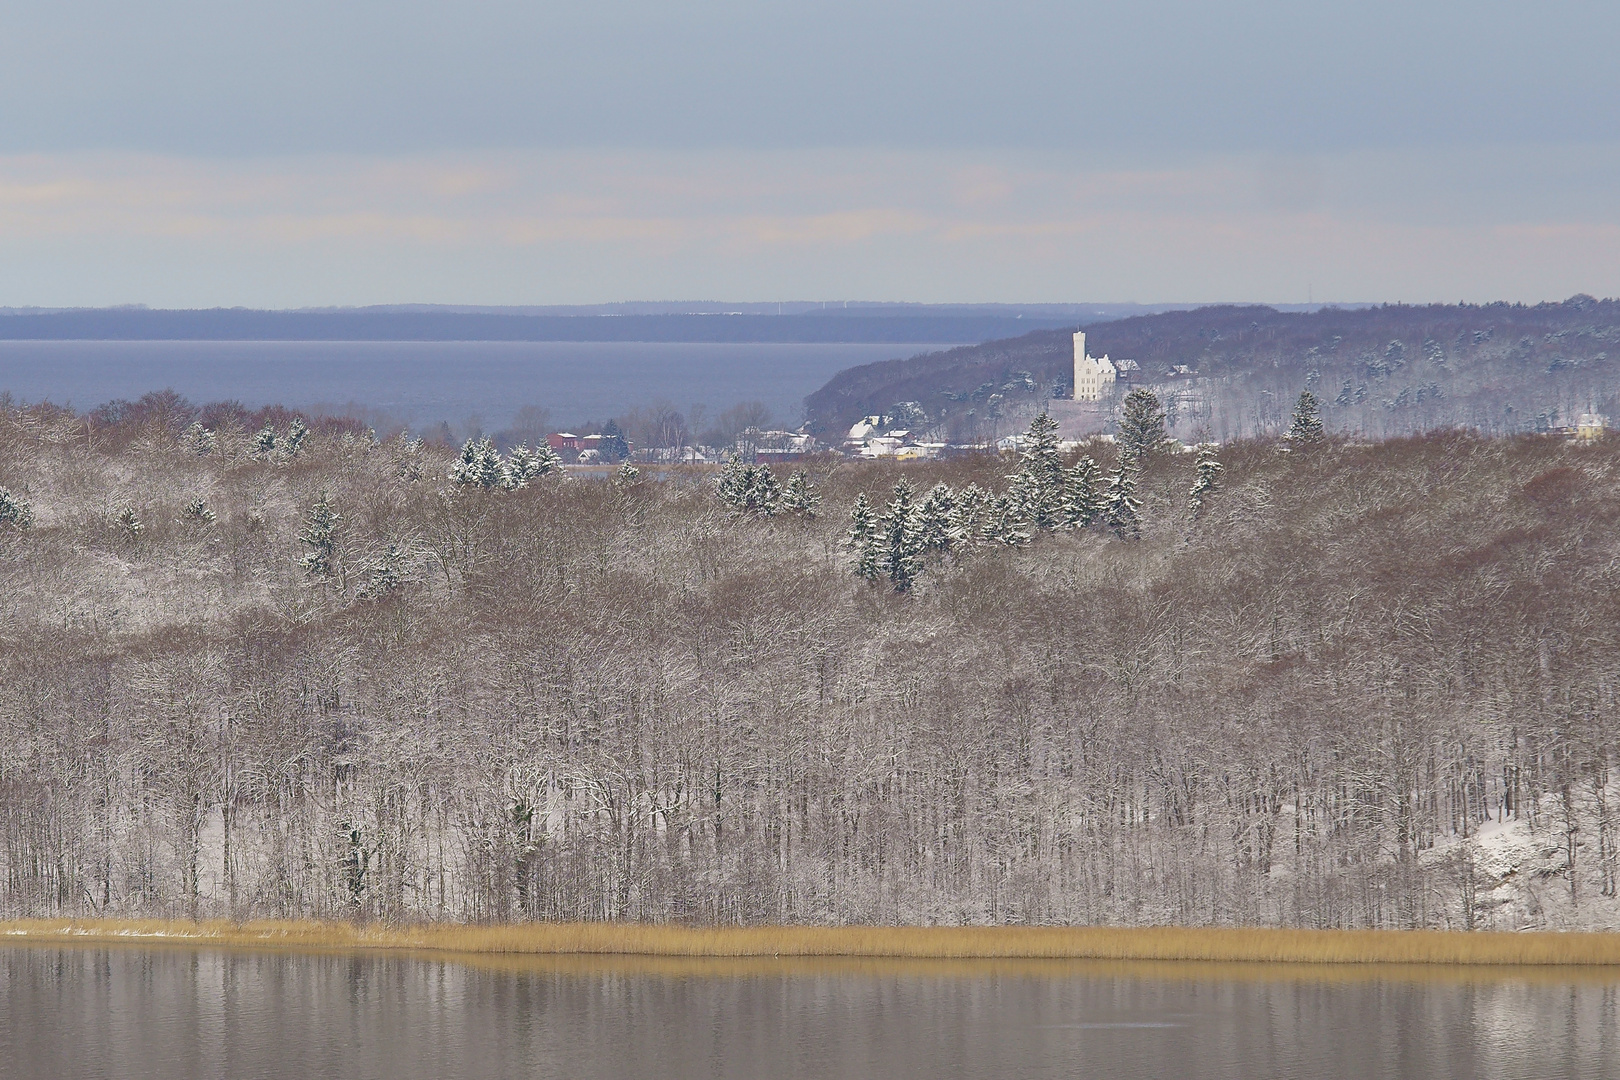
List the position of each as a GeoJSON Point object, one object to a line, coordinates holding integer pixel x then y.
{"type": "Point", "coordinates": [1093, 376]}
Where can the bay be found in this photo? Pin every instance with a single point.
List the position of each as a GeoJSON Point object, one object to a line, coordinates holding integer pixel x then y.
{"type": "Point", "coordinates": [423, 383]}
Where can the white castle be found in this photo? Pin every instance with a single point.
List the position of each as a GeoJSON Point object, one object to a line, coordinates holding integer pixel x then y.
{"type": "Point", "coordinates": [1093, 376]}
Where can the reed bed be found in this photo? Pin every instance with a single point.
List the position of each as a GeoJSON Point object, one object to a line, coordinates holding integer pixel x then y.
{"type": "Point", "coordinates": [1233, 945]}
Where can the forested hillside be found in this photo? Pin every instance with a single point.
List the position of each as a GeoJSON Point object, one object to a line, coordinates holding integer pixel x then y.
{"type": "Point", "coordinates": [1362, 685]}
{"type": "Point", "coordinates": [1382, 371]}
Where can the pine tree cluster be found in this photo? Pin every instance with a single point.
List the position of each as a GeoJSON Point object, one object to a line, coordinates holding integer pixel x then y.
{"type": "Point", "coordinates": [1043, 495]}
{"type": "Point", "coordinates": [480, 465]}
{"type": "Point", "coordinates": [754, 489]}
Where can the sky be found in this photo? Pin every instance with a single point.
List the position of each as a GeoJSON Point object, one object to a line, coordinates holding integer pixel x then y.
{"type": "Point", "coordinates": [185, 153]}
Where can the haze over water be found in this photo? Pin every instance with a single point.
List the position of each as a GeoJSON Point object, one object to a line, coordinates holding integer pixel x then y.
{"type": "Point", "coordinates": [184, 1015]}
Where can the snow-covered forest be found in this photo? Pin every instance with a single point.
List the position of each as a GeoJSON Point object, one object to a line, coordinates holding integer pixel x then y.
{"type": "Point", "coordinates": [288, 671]}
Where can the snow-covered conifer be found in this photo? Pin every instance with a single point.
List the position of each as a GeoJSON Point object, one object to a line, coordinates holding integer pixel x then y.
{"type": "Point", "coordinates": [1307, 425]}
{"type": "Point", "coordinates": [1122, 510]}
{"type": "Point", "coordinates": [319, 537]}
{"type": "Point", "coordinates": [1082, 500]}
{"type": "Point", "coordinates": [733, 482]}
{"type": "Point", "coordinates": [1005, 522]}
{"type": "Point", "coordinates": [800, 496]}
{"type": "Point", "coordinates": [383, 576]}
{"type": "Point", "coordinates": [901, 538]}
{"type": "Point", "coordinates": [764, 494]}
{"type": "Point", "coordinates": [523, 465]}
{"type": "Point", "coordinates": [410, 457]}
{"type": "Point", "coordinates": [15, 512]}
{"type": "Point", "coordinates": [297, 434]}
{"type": "Point", "coordinates": [863, 538]}
{"type": "Point", "coordinates": [478, 466]}
{"type": "Point", "coordinates": [128, 522]}
{"type": "Point", "coordinates": [197, 511]}
{"type": "Point", "coordinates": [627, 476]}
{"type": "Point", "coordinates": [751, 489]}
{"type": "Point", "coordinates": [264, 443]}
{"type": "Point", "coordinates": [1039, 482]}
{"type": "Point", "coordinates": [1141, 426]}
{"type": "Point", "coordinates": [969, 516]}
{"type": "Point", "coordinates": [516, 472]}
{"type": "Point", "coordinates": [199, 440]}
{"type": "Point", "coordinates": [935, 519]}
{"type": "Point", "coordinates": [1206, 478]}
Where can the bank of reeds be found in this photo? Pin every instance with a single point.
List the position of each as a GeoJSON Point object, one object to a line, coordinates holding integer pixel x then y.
{"type": "Point", "coordinates": [1244, 945]}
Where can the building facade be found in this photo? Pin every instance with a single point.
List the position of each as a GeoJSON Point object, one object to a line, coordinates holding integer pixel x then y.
{"type": "Point", "coordinates": [1093, 376]}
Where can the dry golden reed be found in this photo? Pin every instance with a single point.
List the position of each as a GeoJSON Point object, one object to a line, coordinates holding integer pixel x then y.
{"type": "Point", "coordinates": [917, 942]}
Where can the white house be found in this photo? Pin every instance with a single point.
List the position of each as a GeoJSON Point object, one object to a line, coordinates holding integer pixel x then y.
{"type": "Point", "coordinates": [1093, 376]}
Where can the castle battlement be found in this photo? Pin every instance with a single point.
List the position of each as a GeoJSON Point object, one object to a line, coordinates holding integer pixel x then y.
{"type": "Point", "coordinates": [1093, 376]}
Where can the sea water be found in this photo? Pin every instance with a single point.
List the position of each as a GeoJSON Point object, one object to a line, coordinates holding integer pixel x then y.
{"type": "Point", "coordinates": [463, 383]}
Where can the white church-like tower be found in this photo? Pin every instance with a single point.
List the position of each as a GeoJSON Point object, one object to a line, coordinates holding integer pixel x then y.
{"type": "Point", "coordinates": [1093, 376]}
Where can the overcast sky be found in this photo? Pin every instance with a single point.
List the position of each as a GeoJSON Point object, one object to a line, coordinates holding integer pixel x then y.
{"type": "Point", "coordinates": [191, 153]}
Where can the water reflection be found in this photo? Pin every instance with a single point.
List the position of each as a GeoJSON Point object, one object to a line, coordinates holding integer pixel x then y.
{"type": "Point", "coordinates": [180, 1013]}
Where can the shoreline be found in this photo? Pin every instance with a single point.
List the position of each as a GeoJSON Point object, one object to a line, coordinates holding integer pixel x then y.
{"type": "Point", "coordinates": [1215, 944]}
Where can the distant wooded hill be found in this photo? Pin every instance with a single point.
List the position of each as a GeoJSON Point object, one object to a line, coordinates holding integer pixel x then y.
{"type": "Point", "coordinates": [1234, 371]}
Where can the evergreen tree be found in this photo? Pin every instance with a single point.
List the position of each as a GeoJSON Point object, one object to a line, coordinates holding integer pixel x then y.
{"type": "Point", "coordinates": [1082, 501]}
{"type": "Point", "coordinates": [614, 446]}
{"type": "Point", "coordinates": [297, 433]}
{"type": "Point", "coordinates": [410, 457]}
{"type": "Point", "coordinates": [523, 465]}
{"type": "Point", "coordinates": [1039, 482]}
{"type": "Point", "coordinates": [863, 538]}
{"type": "Point", "coordinates": [901, 538]}
{"type": "Point", "coordinates": [733, 482]}
{"type": "Point", "coordinates": [764, 493]}
{"type": "Point", "coordinates": [1005, 522]}
{"type": "Point", "coordinates": [15, 512]}
{"type": "Point", "coordinates": [1206, 478]}
{"type": "Point", "coordinates": [319, 537]}
{"type": "Point", "coordinates": [800, 496]}
{"type": "Point", "coordinates": [547, 461]}
{"type": "Point", "coordinates": [478, 466]}
{"type": "Point", "coordinates": [1307, 426]}
{"type": "Point", "coordinates": [968, 518]}
{"type": "Point", "coordinates": [383, 576]}
{"type": "Point", "coordinates": [627, 476]}
{"type": "Point", "coordinates": [935, 518]}
{"type": "Point", "coordinates": [1141, 426]}
{"type": "Point", "coordinates": [197, 511]}
{"type": "Point", "coordinates": [129, 523]}
{"type": "Point", "coordinates": [1122, 510]}
{"type": "Point", "coordinates": [749, 489]}
{"type": "Point", "coordinates": [264, 443]}
{"type": "Point", "coordinates": [199, 439]}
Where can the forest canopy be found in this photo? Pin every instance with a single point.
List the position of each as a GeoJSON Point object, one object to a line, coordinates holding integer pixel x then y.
{"type": "Point", "coordinates": [1311, 683]}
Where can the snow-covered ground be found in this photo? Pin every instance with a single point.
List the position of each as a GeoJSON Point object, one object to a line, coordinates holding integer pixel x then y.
{"type": "Point", "coordinates": [1521, 874]}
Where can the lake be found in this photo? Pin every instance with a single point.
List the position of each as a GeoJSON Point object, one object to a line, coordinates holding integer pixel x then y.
{"type": "Point", "coordinates": [421, 383]}
{"type": "Point", "coordinates": [180, 1013]}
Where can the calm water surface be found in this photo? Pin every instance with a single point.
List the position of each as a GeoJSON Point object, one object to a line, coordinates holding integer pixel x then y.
{"type": "Point", "coordinates": [181, 1014]}
{"type": "Point", "coordinates": [423, 382]}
